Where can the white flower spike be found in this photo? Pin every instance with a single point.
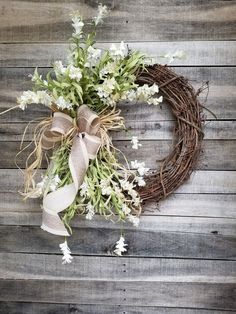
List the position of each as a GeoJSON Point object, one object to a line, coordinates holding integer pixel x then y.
{"type": "Point", "coordinates": [90, 211]}
{"type": "Point", "coordinates": [102, 13]}
{"type": "Point", "coordinates": [77, 24]}
{"type": "Point", "coordinates": [120, 246]}
{"type": "Point", "coordinates": [135, 142]}
{"type": "Point", "coordinates": [67, 258]}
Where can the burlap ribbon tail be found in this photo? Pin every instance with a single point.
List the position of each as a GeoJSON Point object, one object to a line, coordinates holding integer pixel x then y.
{"type": "Point", "coordinates": [85, 146]}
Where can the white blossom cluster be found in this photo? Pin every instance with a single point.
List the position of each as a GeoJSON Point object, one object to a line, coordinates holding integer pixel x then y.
{"type": "Point", "coordinates": [94, 55]}
{"type": "Point", "coordinates": [67, 258]}
{"type": "Point", "coordinates": [120, 247]}
{"type": "Point", "coordinates": [141, 172]}
{"type": "Point", "coordinates": [144, 93]}
{"type": "Point", "coordinates": [42, 97]}
{"type": "Point", "coordinates": [29, 97]}
{"type": "Point", "coordinates": [90, 211]}
{"type": "Point", "coordinates": [62, 103]}
{"type": "Point", "coordinates": [135, 142]}
{"type": "Point", "coordinates": [118, 52]}
{"type": "Point", "coordinates": [73, 72]}
{"type": "Point", "coordinates": [109, 68]}
{"type": "Point", "coordinates": [84, 189]}
{"type": "Point", "coordinates": [105, 91]}
{"type": "Point", "coordinates": [179, 54]}
{"type": "Point", "coordinates": [102, 13]}
{"type": "Point", "coordinates": [48, 183]}
{"type": "Point", "coordinates": [129, 188]}
{"type": "Point", "coordinates": [77, 23]}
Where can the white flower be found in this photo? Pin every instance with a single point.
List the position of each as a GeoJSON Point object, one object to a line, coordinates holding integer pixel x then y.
{"type": "Point", "coordinates": [133, 194]}
{"type": "Point", "coordinates": [106, 88]}
{"type": "Point", "coordinates": [145, 92]}
{"type": "Point", "coordinates": [54, 182]}
{"type": "Point", "coordinates": [93, 56]}
{"type": "Point", "coordinates": [126, 209]}
{"type": "Point", "coordinates": [135, 142]}
{"type": "Point", "coordinates": [142, 171]}
{"type": "Point", "coordinates": [140, 166]}
{"type": "Point", "coordinates": [83, 189]}
{"type": "Point", "coordinates": [120, 246]}
{"type": "Point", "coordinates": [77, 24]}
{"type": "Point", "coordinates": [67, 258]}
{"type": "Point", "coordinates": [126, 185]}
{"type": "Point", "coordinates": [29, 97]}
{"type": "Point", "coordinates": [155, 101]}
{"type": "Point", "coordinates": [140, 181]}
{"type": "Point", "coordinates": [90, 211]}
{"type": "Point", "coordinates": [179, 54]}
{"type": "Point", "coordinates": [62, 103]}
{"type": "Point", "coordinates": [35, 77]}
{"type": "Point", "coordinates": [135, 164]}
{"type": "Point", "coordinates": [59, 68]}
{"type": "Point", "coordinates": [74, 73]}
{"type": "Point", "coordinates": [48, 182]}
{"type": "Point", "coordinates": [130, 95]}
{"type": "Point", "coordinates": [134, 220]}
{"type": "Point", "coordinates": [136, 201]}
{"type": "Point", "coordinates": [105, 186]}
{"type": "Point", "coordinates": [102, 13]}
{"type": "Point", "coordinates": [118, 52]}
{"type": "Point", "coordinates": [169, 57]}
{"type": "Point", "coordinates": [44, 98]}
{"type": "Point", "coordinates": [109, 68]}
{"type": "Point", "coordinates": [118, 192]}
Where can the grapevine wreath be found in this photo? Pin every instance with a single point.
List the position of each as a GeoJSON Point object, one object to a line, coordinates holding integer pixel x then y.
{"type": "Point", "coordinates": [84, 173]}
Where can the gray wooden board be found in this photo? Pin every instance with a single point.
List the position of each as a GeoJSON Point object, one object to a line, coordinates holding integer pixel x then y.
{"type": "Point", "coordinates": [221, 97]}
{"type": "Point", "coordinates": [145, 130]}
{"type": "Point", "coordinates": [216, 154]}
{"type": "Point", "coordinates": [197, 53]}
{"type": "Point", "coordinates": [220, 226]}
{"type": "Point", "coordinates": [205, 182]}
{"type": "Point", "coordinates": [20, 266]}
{"type": "Point", "coordinates": [129, 20]}
{"type": "Point", "coordinates": [194, 295]}
{"type": "Point", "coordinates": [149, 243]}
{"type": "Point", "coordinates": [52, 308]}
{"type": "Point", "coordinates": [44, 270]}
{"type": "Point", "coordinates": [181, 205]}
{"type": "Point", "coordinates": [181, 260]}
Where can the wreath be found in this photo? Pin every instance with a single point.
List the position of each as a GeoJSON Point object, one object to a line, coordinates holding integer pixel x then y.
{"type": "Point", "coordinates": [85, 174]}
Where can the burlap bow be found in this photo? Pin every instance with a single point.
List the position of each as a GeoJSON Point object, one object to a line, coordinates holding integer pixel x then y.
{"type": "Point", "coordinates": [86, 144]}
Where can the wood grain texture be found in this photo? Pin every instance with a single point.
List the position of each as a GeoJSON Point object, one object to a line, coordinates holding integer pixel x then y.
{"type": "Point", "coordinates": [197, 53]}
{"type": "Point", "coordinates": [182, 258]}
{"type": "Point", "coordinates": [216, 155]}
{"type": "Point", "coordinates": [220, 226]}
{"type": "Point", "coordinates": [34, 266]}
{"type": "Point", "coordinates": [87, 272]}
{"type": "Point", "coordinates": [180, 205]}
{"type": "Point", "coordinates": [145, 130]}
{"type": "Point", "coordinates": [31, 21]}
{"type": "Point", "coordinates": [46, 308]}
{"type": "Point", "coordinates": [199, 295]}
{"type": "Point", "coordinates": [220, 100]}
{"type": "Point", "coordinates": [142, 243]}
{"type": "Point", "coordinates": [204, 182]}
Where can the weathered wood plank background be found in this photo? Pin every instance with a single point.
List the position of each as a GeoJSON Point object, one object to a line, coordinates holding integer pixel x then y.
{"type": "Point", "coordinates": [182, 258]}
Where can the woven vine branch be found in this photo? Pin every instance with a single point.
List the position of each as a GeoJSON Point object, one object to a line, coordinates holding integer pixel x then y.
{"type": "Point", "coordinates": [177, 167]}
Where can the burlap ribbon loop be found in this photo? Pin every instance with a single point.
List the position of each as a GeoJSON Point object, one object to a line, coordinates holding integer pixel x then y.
{"type": "Point", "coordinates": [85, 146]}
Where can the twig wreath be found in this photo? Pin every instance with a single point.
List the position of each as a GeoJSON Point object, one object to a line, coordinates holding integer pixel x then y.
{"type": "Point", "coordinates": [84, 173]}
{"type": "Point", "coordinates": [186, 108]}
